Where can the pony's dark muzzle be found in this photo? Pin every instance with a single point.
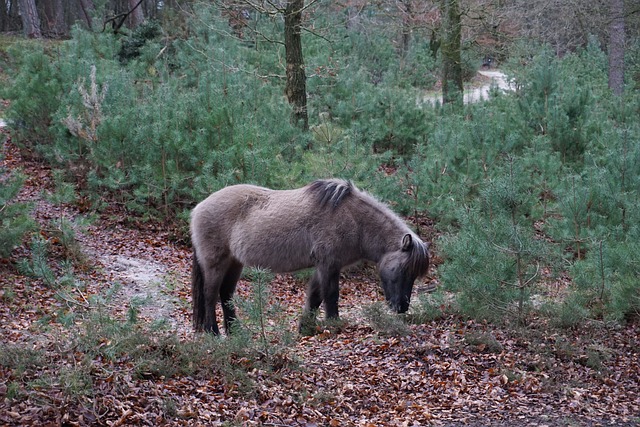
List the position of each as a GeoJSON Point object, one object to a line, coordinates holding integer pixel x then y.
{"type": "Point", "coordinates": [399, 306]}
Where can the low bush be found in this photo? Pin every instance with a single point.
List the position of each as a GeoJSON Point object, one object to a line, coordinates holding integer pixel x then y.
{"type": "Point", "coordinates": [494, 261]}
{"type": "Point", "coordinates": [15, 217]}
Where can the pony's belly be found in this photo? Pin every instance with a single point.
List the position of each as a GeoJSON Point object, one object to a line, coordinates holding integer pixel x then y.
{"type": "Point", "coordinates": [279, 262]}
{"type": "Point", "coordinates": [281, 246]}
{"type": "Point", "coordinates": [277, 258]}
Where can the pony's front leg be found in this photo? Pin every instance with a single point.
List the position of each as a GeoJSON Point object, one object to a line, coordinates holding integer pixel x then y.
{"type": "Point", "coordinates": [331, 293]}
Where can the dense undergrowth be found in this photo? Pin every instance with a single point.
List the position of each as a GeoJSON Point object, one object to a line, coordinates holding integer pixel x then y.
{"type": "Point", "coordinates": [525, 186]}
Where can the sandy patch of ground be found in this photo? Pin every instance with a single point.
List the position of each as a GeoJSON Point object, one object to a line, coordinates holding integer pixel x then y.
{"type": "Point", "coordinates": [495, 79]}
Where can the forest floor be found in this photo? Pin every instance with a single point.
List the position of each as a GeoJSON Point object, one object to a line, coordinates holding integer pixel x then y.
{"type": "Point", "coordinates": [445, 372]}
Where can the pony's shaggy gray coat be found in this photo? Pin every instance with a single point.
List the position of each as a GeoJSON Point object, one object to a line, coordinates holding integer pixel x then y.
{"type": "Point", "coordinates": [327, 224]}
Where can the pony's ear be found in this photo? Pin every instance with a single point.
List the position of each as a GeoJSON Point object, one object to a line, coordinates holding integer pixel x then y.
{"type": "Point", "coordinates": [407, 242]}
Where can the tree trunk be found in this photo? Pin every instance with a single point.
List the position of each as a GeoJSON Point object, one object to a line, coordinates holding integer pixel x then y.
{"type": "Point", "coordinates": [87, 8]}
{"type": "Point", "coordinates": [56, 26]}
{"type": "Point", "coordinates": [137, 15]}
{"type": "Point", "coordinates": [30, 19]}
{"type": "Point", "coordinates": [11, 21]}
{"type": "Point", "coordinates": [406, 26]}
{"type": "Point", "coordinates": [296, 88]}
{"type": "Point", "coordinates": [452, 88]}
{"type": "Point", "coordinates": [4, 16]}
{"type": "Point", "coordinates": [434, 43]}
{"type": "Point", "coordinates": [616, 47]}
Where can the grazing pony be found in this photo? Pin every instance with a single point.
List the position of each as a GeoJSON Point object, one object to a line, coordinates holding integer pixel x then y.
{"type": "Point", "coordinates": [327, 224]}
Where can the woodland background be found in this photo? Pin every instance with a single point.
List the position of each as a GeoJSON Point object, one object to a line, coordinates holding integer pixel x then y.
{"type": "Point", "coordinates": [121, 115]}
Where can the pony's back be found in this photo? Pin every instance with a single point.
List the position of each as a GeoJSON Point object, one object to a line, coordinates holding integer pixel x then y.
{"type": "Point", "coordinates": [257, 226]}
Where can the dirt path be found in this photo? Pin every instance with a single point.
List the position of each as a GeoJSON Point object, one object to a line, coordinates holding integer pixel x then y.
{"type": "Point", "coordinates": [490, 79]}
{"type": "Point", "coordinates": [152, 273]}
{"type": "Point", "coordinates": [498, 80]}
{"type": "Point", "coordinates": [149, 272]}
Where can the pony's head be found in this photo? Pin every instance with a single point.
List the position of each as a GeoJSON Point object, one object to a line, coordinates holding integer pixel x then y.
{"type": "Point", "coordinates": [400, 268]}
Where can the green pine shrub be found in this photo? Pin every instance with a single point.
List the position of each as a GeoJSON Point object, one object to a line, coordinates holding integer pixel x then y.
{"type": "Point", "coordinates": [334, 153]}
{"type": "Point", "coordinates": [131, 45]}
{"type": "Point", "coordinates": [384, 116]}
{"type": "Point", "coordinates": [575, 224]}
{"type": "Point", "coordinates": [15, 217]}
{"type": "Point", "coordinates": [567, 130]}
{"type": "Point", "coordinates": [34, 93]}
{"type": "Point", "coordinates": [418, 68]}
{"type": "Point", "coordinates": [597, 222]}
{"type": "Point", "coordinates": [38, 264]}
{"type": "Point", "coordinates": [607, 279]}
{"type": "Point", "coordinates": [445, 172]}
{"type": "Point", "coordinates": [262, 331]}
{"type": "Point", "coordinates": [556, 104]}
{"type": "Point", "coordinates": [494, 260]}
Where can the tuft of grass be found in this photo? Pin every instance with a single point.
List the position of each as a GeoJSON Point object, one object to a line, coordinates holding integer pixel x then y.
{"type": "Point", "coordinates": [73, 380]}
{"type": "Point", "coordinates": [595, 357]}
{"type": "Point", "coordinates": [383, 321]}
{"type": "Point", "coordinates": [564, 349]}
{"type": "Point", "coordinates": [308, 324]}
{"type": "Point", "coordinates": [483, 342]}
{"type": "Point", "coordinates": [427, 308]}
{"type": "Point", "coordinates": [20, 358]}
{"type": "Point", "coordinates": [566, 314]}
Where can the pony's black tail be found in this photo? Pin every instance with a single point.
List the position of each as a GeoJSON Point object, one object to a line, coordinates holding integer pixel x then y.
{"type": "Point", "coordinates": [197, 293]}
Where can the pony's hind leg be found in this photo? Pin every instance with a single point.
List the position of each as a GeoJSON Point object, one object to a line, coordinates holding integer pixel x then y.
{"type": "Point", "coordinates": [214, 275]}
{"type": "Point", "coordinates": [211, 293]}
{"type": "Point", "coordinates": [226, 294]}
{"type": "Point", "coordinates": [197, 294]}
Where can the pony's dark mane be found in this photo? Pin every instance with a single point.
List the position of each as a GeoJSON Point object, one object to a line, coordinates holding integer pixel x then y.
{"type": "Point", "coordinates": [418, 262]}
{"type": "Point", "coordinates": [330, 192]}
